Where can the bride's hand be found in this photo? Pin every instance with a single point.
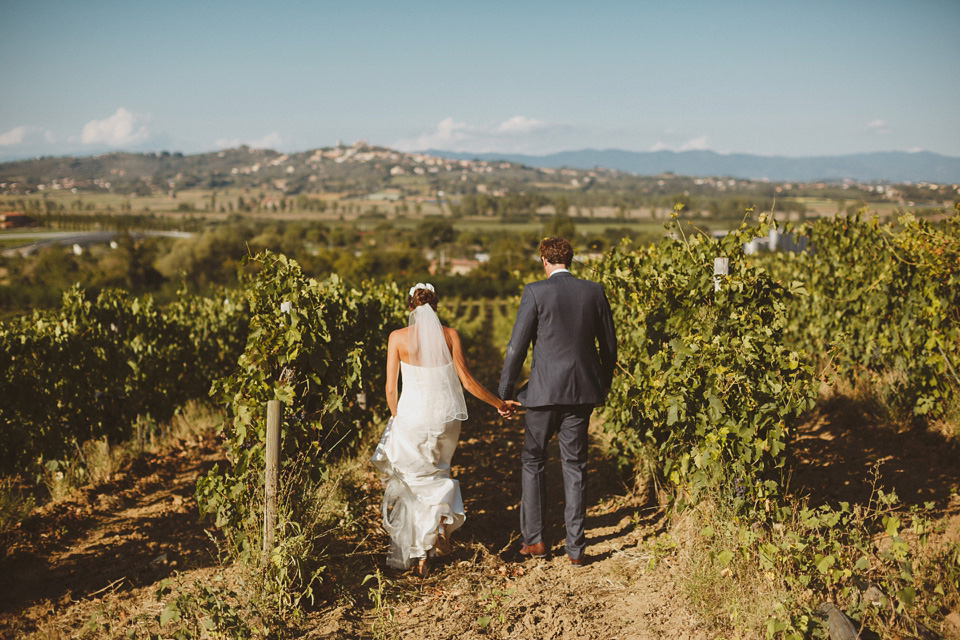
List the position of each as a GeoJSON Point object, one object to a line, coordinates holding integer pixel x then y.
{"type": "Point", "coordinates": [508, 408]}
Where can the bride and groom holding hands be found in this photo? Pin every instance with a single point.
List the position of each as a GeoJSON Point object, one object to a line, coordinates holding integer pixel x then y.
{"type": "Point", "coordinates": [568, 322]}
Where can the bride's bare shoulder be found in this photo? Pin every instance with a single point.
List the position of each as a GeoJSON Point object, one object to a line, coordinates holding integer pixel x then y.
{"type": "Point", "coordinates": [399, 335]}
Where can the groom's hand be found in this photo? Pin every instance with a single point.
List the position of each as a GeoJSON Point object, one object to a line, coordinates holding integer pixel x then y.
{"type": "Point", "coordinates": [508, 410]}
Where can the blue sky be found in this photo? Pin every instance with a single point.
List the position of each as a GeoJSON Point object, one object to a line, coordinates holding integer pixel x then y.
{"type": "Point", "coordinates": [774, 78]}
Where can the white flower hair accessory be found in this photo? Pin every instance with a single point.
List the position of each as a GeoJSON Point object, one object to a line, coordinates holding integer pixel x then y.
{"type": "Point", "coordinates": [420, 285]}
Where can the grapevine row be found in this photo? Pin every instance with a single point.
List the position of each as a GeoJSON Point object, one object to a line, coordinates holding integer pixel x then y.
{"type": "Point", "coordinates": [88, 369]}
{"type": "Point", "coordinates": [880, 298]}
{"type": "Point", "coordinates": [708, 387]}
{"type": "Point", "coordinates": [319, 347]}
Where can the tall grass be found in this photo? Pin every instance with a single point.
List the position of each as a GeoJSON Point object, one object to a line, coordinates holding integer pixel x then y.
{"type": "Point", "coordinates": [16, 503]}
{"type": "Point", "coordinates": [891, 567]}
{"type": "Point", "coordinates": [98, 461]}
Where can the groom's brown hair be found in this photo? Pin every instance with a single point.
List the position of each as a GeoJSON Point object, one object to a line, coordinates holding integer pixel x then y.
{"type": "Point", "coordinates": [556, 250]}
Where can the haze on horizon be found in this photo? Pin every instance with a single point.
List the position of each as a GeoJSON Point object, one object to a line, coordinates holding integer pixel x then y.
{"type": "Point", "coordinates": [789, 79]}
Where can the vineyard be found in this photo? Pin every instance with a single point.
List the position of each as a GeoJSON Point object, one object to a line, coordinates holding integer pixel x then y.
{"type": "Point", "coordinates": [90, 369]}
{"type": "Point", "coordinates": [717, 375]}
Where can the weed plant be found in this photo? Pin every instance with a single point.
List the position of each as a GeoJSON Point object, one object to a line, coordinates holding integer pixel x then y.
{"type": "Point", "coordinates": [15, 504]}
{"type": "Point", "coordinates": [769, 571]}
{"type": "Point", "coordinates": [98, 460]}
{"type": "Point", "coordinates": [383, 624]}
{"type": "Point", "coordinates": [270, 592]}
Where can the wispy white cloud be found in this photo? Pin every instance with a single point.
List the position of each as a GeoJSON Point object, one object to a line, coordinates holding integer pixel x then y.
{"type": "Point", "coordinates": [521, 124]}
{"type": "Point", "coordinates": [699, 143]}
{"type": "Point", "coordinates": [121, 129]}
{"type": "Point", "coordinates": [270, 141]}
{"type": "Point", "coordinates": [518, 134]}
{"type": "Point", "coordinates": [25, 135]}
{"type": "Point", "coordinates": [449, 135]}
{"type": "Point", "coordinates": [695, 144]}
{"type": "Point", "coordinates": [12, 137]}
{"type": "Point", "coordinates": [878, 126]}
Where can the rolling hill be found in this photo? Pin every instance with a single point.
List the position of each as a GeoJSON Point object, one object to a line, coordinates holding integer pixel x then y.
{"type": "Point", "coordinates": [891, 166]}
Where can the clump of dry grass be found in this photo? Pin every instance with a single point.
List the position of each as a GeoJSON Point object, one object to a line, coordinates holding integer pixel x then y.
{"type": "Point", "coordinates": [717, 550]}
{"type": "Point", "coordinates": [15, 504]}
{"type": "Point", "coordinates": [892, 568]}
{"type": "Point", "coordinates": [98, 461]}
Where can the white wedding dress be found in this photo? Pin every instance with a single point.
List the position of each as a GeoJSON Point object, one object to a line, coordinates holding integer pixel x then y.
{"type": "Point", "coordinates": [420, 498]}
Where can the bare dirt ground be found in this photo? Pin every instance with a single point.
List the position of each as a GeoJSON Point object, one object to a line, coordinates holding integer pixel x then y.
{"type": "Point", "coordinates": [105, 545]}
{"type": "Point", "coordinates": [104, 550]}
{"type": "Point", "coordinates": [843, 453]}
{"type": "Point", "coordinates": [486, 589]}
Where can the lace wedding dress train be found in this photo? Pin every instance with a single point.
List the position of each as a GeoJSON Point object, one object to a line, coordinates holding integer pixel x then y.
{"type": "Point", "coordinates": [421, 499]}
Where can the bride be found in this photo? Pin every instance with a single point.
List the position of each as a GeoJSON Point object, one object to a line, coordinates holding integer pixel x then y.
{"type": "Point", "coordinates": [422, 505]}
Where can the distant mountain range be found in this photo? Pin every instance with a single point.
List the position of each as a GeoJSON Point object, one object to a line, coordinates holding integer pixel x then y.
{"type": "Point", "coordinates": [890, 166]}
{"type": "Point", "coordinates": [368, 168]}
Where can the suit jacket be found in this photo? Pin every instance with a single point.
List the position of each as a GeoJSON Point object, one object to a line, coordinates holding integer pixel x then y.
{"type": "Point", "coordinates": [569, 323]}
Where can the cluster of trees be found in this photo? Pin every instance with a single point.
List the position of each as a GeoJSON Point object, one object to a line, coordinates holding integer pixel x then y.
{"type": "Point", "coordinates": [584, 203]}
{"type": "Point", "coordinates": [380, 250]}
{"type": "Point", "coordinates": [39, 280]}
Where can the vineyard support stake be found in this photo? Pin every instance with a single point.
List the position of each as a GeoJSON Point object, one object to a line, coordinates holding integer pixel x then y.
{"type": "Point", "coordinates": [274, 416]}
{"type": "Point", "coordinates": [721, 267]}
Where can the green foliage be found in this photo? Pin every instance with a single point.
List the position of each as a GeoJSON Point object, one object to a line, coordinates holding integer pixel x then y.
{"type": "Point", "coordinates": [837, 552]}
{"type": "Point", "coordinates": [707, 383]}
{"type": "Point", "coordinates": [887, 567]}
{"type": "Point", "coordinates": [881, 297]}
{"type": "Point", "coordinates": [319, 348]}
{"type": "Point", "coordinates": [383, 625]}
{"type": "Point", "coordinates": [495, 602]}
{"type": "Point", "coordinates": [87, 370]}
{"type": "Point", "coordinates": [202, 611]}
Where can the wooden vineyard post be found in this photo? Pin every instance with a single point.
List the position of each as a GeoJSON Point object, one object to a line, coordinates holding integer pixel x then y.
{"type": "Point", "coordinates": [274, 416]}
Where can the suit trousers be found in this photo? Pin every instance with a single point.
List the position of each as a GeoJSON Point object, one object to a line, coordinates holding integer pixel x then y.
{"type": "Point", "coordinates": [570, 423]}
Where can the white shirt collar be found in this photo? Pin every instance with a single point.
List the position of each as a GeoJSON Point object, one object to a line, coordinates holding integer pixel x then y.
{"type": "Point", "coordinates": [560, 270]}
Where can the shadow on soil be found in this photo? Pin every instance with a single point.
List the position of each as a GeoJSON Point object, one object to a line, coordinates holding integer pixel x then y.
{"type": "Point", "coordinates": [842, 453]}
{"type": "Point", "coordinates": [115, 537]}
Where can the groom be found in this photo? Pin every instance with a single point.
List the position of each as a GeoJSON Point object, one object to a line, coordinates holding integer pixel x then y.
{"type": "Point", "coordinates": [568, 320]}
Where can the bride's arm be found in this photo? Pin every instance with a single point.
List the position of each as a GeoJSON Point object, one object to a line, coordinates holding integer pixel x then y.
{"type": "Point", "coordinates": [393, 371]}
{"type": "Point", "coordinates": [466, 378]}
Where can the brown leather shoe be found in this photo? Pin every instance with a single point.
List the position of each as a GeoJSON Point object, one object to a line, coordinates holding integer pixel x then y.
{"type": "Point", "coordinates": [537, 550]}
{"type": "Point", "coordinates": [578, 562]}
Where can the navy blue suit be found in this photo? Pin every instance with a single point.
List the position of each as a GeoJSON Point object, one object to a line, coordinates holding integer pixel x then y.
{"type": "Point", "coordinates": [568, 322]}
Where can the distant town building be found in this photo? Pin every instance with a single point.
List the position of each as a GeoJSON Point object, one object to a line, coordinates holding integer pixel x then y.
{"type": "Point", "coordinates": [773, 241]}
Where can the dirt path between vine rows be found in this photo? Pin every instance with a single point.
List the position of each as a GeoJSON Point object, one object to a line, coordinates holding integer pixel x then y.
{"type": "Point", "coordinates": [101, 553]}
{"type": "Point", "coordinates": [621, 594]}
{"type": "Point", "coordinates": [486, 589]}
